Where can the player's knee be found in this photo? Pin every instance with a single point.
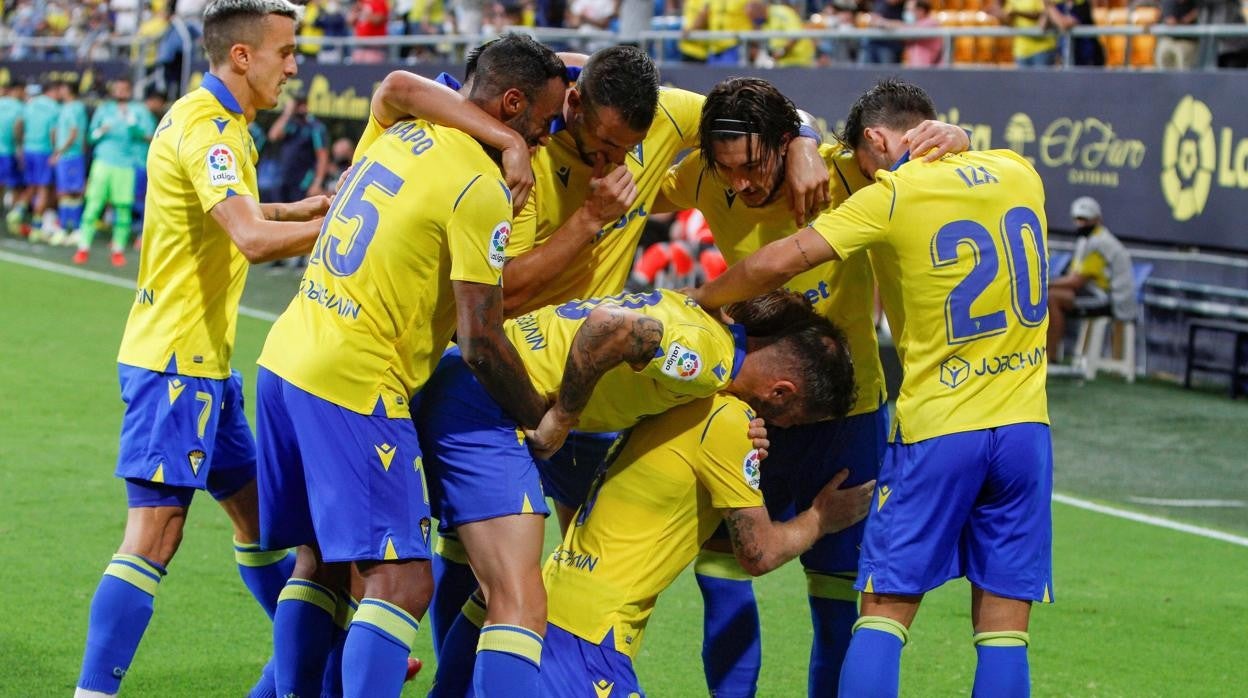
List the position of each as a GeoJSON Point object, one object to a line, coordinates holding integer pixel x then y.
{"type": "Point", "coordinates": [518, 599]}
{"type": "Point", "coordinates": [407, 584]}
{"type": "Point", "coordinates": [154, 533]}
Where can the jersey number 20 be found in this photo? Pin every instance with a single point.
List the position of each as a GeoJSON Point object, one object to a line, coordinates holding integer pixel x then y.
{"type": "Point", "coordinates": [1018, 226]}
{"type": "Point", "coordinates": [353, 220]}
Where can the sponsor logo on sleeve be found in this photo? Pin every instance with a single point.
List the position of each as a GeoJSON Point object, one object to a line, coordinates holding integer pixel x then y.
{"type": "Point", "coordinates": [681, 362]}
{"type": "Point", "coordinates": [750, 468]}
{"type": "Point", "coordinates": [498, 244]}
{"type": "Point", "coordinates": [222, 167]}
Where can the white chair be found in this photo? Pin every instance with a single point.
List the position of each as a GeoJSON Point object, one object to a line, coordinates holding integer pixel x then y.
{"type": "Point", "coordinates": [1089, 357]}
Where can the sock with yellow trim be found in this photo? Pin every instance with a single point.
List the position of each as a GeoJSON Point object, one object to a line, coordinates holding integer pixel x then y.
{"type": "Point", "coordinates": [331, 684]}
{"type": "Point", "coordinates": [264, 573]}
{"type": "Point", "coordinates": [872, 666]}
{"type": "Point", "coordinates": [509, 660]}
{"type": "Point", "coordinates": [453, 583]}
{"type": "Point", "coordinates": [833, 610]}
{"type": "Point", "coordinates": [303, 634]}
{"type": "Point", "coordinates": [459, 651]}
{"type": "Point", "coordinates": [374, 660]}
{"type": "Point", "coordinates": [120, 611]}
{"type": "Point", "coordinates": [1002, 669]}
{"type": "Point", "coordinates": [732, 646]}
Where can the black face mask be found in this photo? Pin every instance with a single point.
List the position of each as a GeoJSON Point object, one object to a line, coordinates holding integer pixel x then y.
{"type": "Point", "coordinates": [1084, 230]}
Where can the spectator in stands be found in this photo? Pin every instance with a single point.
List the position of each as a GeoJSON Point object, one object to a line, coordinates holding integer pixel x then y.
{"type": "Point", "coordinates": [1177, 52]}
{"type": "Point", "coordinates": [93, 45]}
{"type": "Point", "coordinates": [779, 16]}
{"type": "Point", "coordinates": [590, 14]}
{"type": "Point", "coordinates": [1068, 14]}
{"type": "Point", "coordinates": [1232, 52]}
{"type": "Point", "coordinates": [634, 18]}
{"type": "Point", "coordinates": [421, 18]}
{"type": "Point", "coordinates": [25, 23]}
{"type": "Point", "coordinates": [370, 18]}
{"type": "Point", "coordinates": [470, 15]}
{"type": "Point", "coordinates": [714, 15]}
{"type": "Point", "coordinates": [332, 22]}
{"type": "Point", "coordinates": [1029, 51]}
{"type": "Point", "coordinates": [884, 50]}
{"type": "Point", "coordinates": [919, 53]}
{"type": "Point", "coordinates": [1100, 281]}
{"type": "Point", "coordinates": [181, 37]}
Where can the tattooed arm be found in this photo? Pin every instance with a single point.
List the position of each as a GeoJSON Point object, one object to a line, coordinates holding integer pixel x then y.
{"type": "Point", "coordinates": [766, 270]}
{"type": "Point", "coordinates": [761, 545]}
{"type": "Point", "coordinates": [490, 355]}
{"type": "Point", "coordinates": [609, 337]}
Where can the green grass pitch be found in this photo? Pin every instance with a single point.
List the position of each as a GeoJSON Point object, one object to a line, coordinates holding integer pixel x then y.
{"type": "Point", "coordinates": [1141, 611]}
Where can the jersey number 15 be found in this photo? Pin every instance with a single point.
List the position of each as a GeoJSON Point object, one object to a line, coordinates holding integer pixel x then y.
{"type": "Point", "coordinates": [353, 220]}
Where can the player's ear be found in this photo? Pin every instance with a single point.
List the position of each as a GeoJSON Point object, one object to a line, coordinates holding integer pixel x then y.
{"type": "Point", "coordinates": [240, 56]}
{"type": "Point", "coordinates": [513, 102]}
{"type": "Point", "coordinates": [574, 100]}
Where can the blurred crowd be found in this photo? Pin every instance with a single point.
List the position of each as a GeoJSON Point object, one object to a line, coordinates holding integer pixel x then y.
{"type": "Point", "coordinates": [163, 28]}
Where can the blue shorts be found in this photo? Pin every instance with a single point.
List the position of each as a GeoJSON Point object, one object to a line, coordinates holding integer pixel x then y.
{"type": "Point", "coordinates": [802, 459]}
{"type": "Point", "coordinates": [36, 170]}
{"type": "Point", "coordinates": [140, 188]}
{"type": "Point", "coordinates": [573, 667]}
{"type": "Point", "coordinates": [352, 484]}
{"type": "Point", "coordinates": [569, 474]}
{"type": "Point", "coordinates": [181, 434]}
{"type": "Point", "coordinates": [974, 504]}
{"type": "Point", "coordinates": [71, 174]}
{"type": "Point", "coordinates": [10, 173]}
{"type": "Point", "coordinates": [479, 465]}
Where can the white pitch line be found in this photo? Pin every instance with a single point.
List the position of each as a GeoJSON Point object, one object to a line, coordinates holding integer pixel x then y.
{"type": "Point", "coordinates": [1194, 503]}
{"type": "Point", "coordinates": [87, 274]}
{"type": "Point", "coordinates": [1150, 520]}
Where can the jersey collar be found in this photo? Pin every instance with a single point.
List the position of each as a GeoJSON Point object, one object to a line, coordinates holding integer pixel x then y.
{"type": "Point", "coordinates": [738, 348]}
{"type": "Point", "coordinates": [905, 157]}
{"type": "Point", "coordinates": [559, 124]}
{"type": "Point", "coordinates": [213, 84]}
{"type": "Point", "coordinates": [449, 80]}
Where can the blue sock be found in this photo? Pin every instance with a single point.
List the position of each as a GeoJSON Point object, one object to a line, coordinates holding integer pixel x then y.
{"type": "Point", "coordinates": [374, 660]}
{"type": "Point", "coordinates": [331, 684]}
{"type": "Point", "coordinates": [303, 631]}
{"type": "Point", "coordinates": [266, 687]}
{"type": "Point", "coordinates": [1002, 670]}
{"type": "Point", "coordinates": [120, 611]}
{"type": "Point", "coordinates": [833, 610]}
{"type": "Point", "coordinates": [453, 583]}
{"type": "Point", "coordinates": [264, 573]}
{"type": "Point", "coordinates": [459, 652]}
{"type": "Point", "coordinates": [509, 659]}
{"type": "Point", "coordinates": [732, 647]}
{"type": "Point", "coordinates": [70, 211]}
{"type": "Point", "coordinates": [873, 661]}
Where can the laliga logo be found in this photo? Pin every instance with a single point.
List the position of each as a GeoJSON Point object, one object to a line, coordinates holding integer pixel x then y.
{"type": "Point", "coordinates": [750, 470]}
{"type": "Point", "coordinates": [688, 365]}
{"type": "Point", "coordinates": [1188, 158]}
{"type": "Point", "coordinates": [221, 159]}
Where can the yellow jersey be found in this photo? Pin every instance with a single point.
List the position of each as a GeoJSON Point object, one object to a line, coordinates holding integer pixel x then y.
{"type": "Point", "coordinates": [843, 292]}
{"type": "Point", "coordinates": [1027, 46]}
{"type": "Point", "coordinates": [698, 356]}
{"type": "Point", "coordinates": [645, 519]}
{"type": "Point", "coordinates": [424, 206]}
{"type": "Point", "coordinates": [191, 274]}
{"type": "Point", "coordinates": [721, 16]}
{"type": "Point", "coordinates": [959, 248]}
{"type": "Point", "coordinates": [563, 185]}
{"type": "Point", "coordinates": [783, 18]}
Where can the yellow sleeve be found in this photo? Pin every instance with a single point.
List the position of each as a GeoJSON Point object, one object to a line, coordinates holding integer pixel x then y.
{"type": "Point", "coordinates": [861, 221]}
{"type": "Point", "coordinates": [524, 229]}
{"type": "Point", "coordinates": [690, 364]}
{"type": "Point", "coordinates": [680, 184]}
{"type": "Point", "coordinates": [684, 109]}
{"type": "Point", "coordinates": [478, 231]}
{"type": "Point", "coordinates": [1093, 266]}
{"type": "Point", "coordinates": [371, 132]}
{"type": "Point", "coordinates": [215, 159]}
{"type": "Point", "coordinates": [727, 464]}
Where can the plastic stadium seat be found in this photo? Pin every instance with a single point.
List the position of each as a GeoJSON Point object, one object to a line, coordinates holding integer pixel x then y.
{"type": "Point", "coordinates": [985, 46]}
{"type": "Point", "coordinates": [1090, 346]}
{"type": "Point", "coordinates": [964, 46]}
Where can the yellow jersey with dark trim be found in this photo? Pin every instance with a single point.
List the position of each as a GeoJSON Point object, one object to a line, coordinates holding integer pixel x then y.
{"type": "Point", "coordinates": [697, 357]}
{"type": "Point", "coordinates": [563, 186]}
{"type": "Point", "coordinates": [843, 292]}
{"type": "Point", "coordinates": [424, 206]}
{"type": "Point", "coordinates": [959, 249]}
{"type": "Point", "coordinates": [191, 274]}
{"type": "Point", "coordinates": [645, 519]}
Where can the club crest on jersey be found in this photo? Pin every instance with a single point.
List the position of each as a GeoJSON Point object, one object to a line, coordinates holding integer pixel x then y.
{"type": "Point", "coordinates": [498, 244]}
{"type": "Point", "coordinates": [196, 459]}
{"type": "Point", "coordinates": [750, 468]}
{"type": "Point", "coordinates": [221, 165]}
{"type": "Point", "coordinates": [681, 362]}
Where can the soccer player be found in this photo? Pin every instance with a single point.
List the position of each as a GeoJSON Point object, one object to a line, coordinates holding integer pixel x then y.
{"type": "Point", "coordinates": [117, 129]}
{"type": "Point", "coordinates": [606, 363]}
{"type": "Point", "coordinates": [674, 479]}
{"type": "Point", "coordinates": [412, 253]}
{"type": "Point", "coordinates": [736, 180]}
{"type": "Point", "coordinates": [10, 129]}
{"type": "Point", "coordinates": [959, 250]}
{"type": "Point", "coordinates": [69, 159]}
{"type": "Point", "coordinates": [184, 428]}
{"type": "Point", "coordinates": [39, 116]}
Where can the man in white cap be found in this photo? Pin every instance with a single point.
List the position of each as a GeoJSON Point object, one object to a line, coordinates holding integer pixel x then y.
{"type": "Point", "coordinates": [1100, 281]}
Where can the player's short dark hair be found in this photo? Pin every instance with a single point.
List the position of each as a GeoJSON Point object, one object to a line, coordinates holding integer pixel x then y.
{"type": "Point", "coordinates": [229, 22]}
{"type": "Point", "coordinates": [768, 314]}
{"type": "Point", "coordinates": [740, 107]}
{"type": "Point", "coordinates": [893, 103]}
{"type": "Point", "coordinates": [624, 79]}
{"type": "Point", "coordinates": [512, 61]}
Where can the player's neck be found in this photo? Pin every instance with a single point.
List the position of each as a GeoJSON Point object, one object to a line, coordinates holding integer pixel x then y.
{"type": "Point", "coordinates": [238, 87]}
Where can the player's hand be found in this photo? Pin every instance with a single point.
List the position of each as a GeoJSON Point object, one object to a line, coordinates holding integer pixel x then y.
{"type": "Point", "coordinates": [758, 434]}
{"type": "Point", "coordinates": [316, 190]}
{"type": "Point", "coordinates": [839, 509]}
{"type": "Point", "coordinates": [807, 176]}
{"type": "Point", "coordinates": [935, 139]}
{"type": "Point", "coordinates": [550, 433]}
{"type": "Point", "coordinates": [307, 209]}
{"type": "Point", "coordinates": [518, 171]}
{"type": "Point", "coordinates": [611, 194]}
